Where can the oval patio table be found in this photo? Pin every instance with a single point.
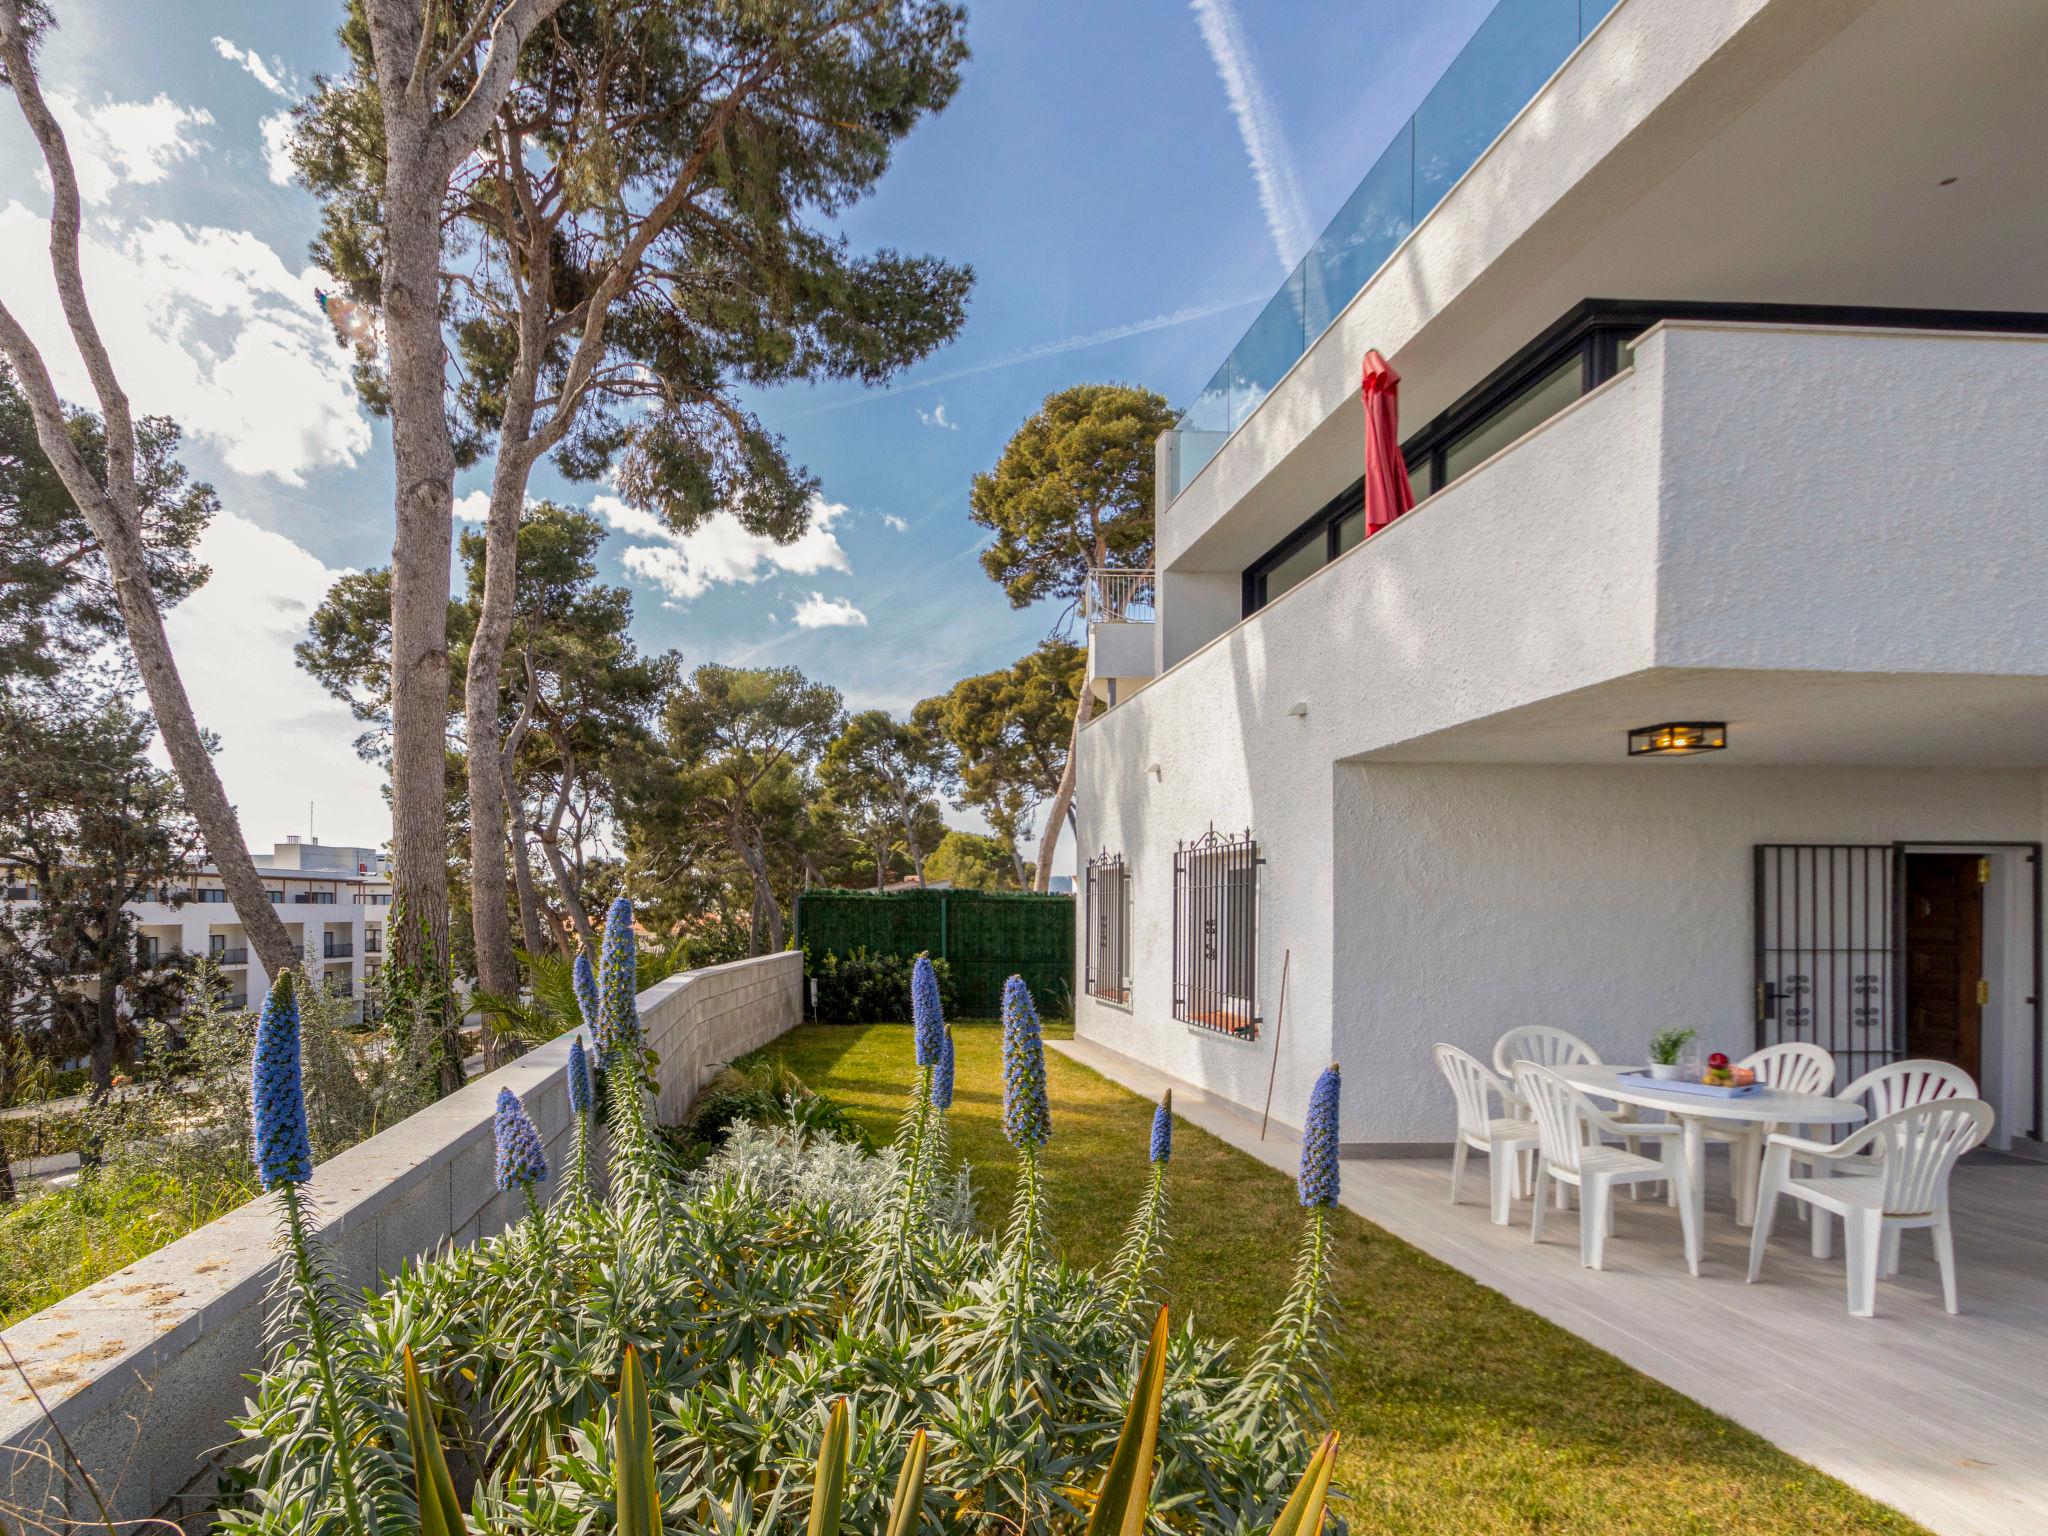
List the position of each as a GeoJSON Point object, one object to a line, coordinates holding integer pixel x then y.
{"type": "Point", "coordinates": [1694, 1111]}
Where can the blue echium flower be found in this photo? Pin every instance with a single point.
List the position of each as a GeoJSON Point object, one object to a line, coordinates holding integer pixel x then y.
{"type": "Point", "coordinates": [942, 1074]}
{"type": "Point", "coordinates": [617, 980]}
{"type": "Point", "coordinates": [926, 1020]}
{"type": "Point", "coordinates": [1319, 1180]}
{"type": "Point", "coordinates": [1162, 1130]}
{"type": "Point", "coordinates": [579, 1077]}
{"type": "Point", "coordinates": [586, 1000]}
{"type": "Point", "coordinates": [1027, 1121]}
{"type": "Point", "coordinates": [521, 1159]}
{"type": "Point", "coordinates": [283, 1152]}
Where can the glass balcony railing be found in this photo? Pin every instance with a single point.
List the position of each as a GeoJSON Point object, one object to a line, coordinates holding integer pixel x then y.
{"type": "Point", "coordinates": [1518, 47]}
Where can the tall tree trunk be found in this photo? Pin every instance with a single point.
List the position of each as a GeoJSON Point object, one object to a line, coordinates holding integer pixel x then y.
{"type": "Point", "coordinates": [497, 971]}
{"type": "Point", "coordinates": [421, 150]}
{"type": "Point", "coordinates": [551, 846]}
{"type": "Point", "coordinates": [532, 935]}
{"type": "Point", "coordinates": [114, 513]}
{"type": "Point", "coordinates": [1016, 860]}
{"type": "Point", "coordinates": [423, 512]}
{"type": "Point", "coordinates": [767, 911]}
{"type": "Point", "coordinates": [1063, 797]}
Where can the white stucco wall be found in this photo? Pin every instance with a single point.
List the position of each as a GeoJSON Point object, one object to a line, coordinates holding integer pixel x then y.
{"type": "Point", "coordinates": [1830, 539]}
{"type": "Point", "coordinates": [1613, 902]}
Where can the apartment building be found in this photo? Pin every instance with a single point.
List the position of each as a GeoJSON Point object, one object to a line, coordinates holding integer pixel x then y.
{"type": "Point", "coordinates": [1707, 682]}
{"type": "Point", "coordinates": [334, 900]}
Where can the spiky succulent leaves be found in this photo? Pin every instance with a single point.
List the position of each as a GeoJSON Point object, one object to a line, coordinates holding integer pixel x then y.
{"type": "Point", "coordinates": [828, 1485]}
{"type": "Point", "coordinates": [636, 1496]}
{"type": "Point", "coordinates": [335, 1458]}
{"type": "Point", "coordinates": [1120, 1503]}
{"type": "Point", "coordinates": [1319, 1181]}
{"type": "Point", "coordinates": [907, 1507]}
{"type": "Point", "coordinates": [280, 1143]}
{"type": "Point", "coordinates": [1287, 1382]}
{"type": "Point", "coordinates": [1303, 1513]}
{"type": "Point", "coordinates": [1145, 1237]}
{"type": "Point", "coordinates": [891, 1275]}
{"type": "Point", "coordinates": [587, 1002]}
{"type": "Point", "coordinates": [440, 1513]}
{"type": "Point", "coordinates": [927, 1021]}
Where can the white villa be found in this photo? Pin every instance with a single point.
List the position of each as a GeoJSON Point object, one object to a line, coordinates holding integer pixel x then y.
{"type": "Point", "coordinates": [334, 899]}
{"type": "Point", "coordinates": [1722, 330]}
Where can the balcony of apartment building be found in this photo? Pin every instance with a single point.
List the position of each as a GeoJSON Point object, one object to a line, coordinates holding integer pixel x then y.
{"type": "Point", "coordinates": [227, 951]}
{"type": "Point", "coordinates": [1118, 611]}
{"type": "Point", "coordinates": [1861, 157]}
{"type": "Point", "coordinates": [336, 947]}
{"type": "Point", "coordinates": [1830, 531]}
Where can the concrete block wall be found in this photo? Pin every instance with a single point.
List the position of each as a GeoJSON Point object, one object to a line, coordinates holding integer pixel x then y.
{"type": "Point", "coordinates": [142, 1370]}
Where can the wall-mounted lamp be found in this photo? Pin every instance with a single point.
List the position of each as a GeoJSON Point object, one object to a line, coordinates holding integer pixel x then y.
{"type": "Point", "coordinates": [1299, 711]}
{"type": "Point", "coordinates": [1154, 771]}
{"type": "Point", "coordinates": [1678, 738]}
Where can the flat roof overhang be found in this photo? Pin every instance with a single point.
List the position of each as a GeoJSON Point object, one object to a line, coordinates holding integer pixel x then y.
{"type": "Point", "coordinates": [1850, 152]}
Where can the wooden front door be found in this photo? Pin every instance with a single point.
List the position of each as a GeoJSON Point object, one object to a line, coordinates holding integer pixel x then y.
{"type": "Point", "coordinates": [1945, 957]}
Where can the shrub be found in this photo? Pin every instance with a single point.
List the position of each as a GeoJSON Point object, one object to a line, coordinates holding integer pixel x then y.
{"type": "Point", "coordinates": [799, 1321]}
{"type": "Point", "coordinates": [863, 986]}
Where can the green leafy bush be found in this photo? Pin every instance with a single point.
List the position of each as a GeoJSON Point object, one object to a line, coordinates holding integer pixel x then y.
{"type": "Point", "coordinates": [862, 986]}
{"type": "Point", "coordinates": [799, 1324]}
{"type": "Point", "coordinates": [761, 1090]}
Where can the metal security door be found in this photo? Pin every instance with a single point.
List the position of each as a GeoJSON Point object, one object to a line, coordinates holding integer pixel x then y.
{"type": "Point", "coordinates": [1829, 927]}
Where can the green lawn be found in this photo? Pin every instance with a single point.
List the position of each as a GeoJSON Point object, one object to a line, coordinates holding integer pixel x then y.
{"type": "Point", "coordinates": [1460, 1411]}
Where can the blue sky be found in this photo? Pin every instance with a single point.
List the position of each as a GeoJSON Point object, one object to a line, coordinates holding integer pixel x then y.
{"type": "Point", "coordinates": [1129, 181]}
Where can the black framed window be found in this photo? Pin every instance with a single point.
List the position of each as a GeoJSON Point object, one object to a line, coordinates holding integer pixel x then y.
{"type": "Point", "coordinates": [1216, 934]}
{"type": "Point", "coordinates": [1582, 350]}
{"type": "Point", "coordinates": [1108, 953]}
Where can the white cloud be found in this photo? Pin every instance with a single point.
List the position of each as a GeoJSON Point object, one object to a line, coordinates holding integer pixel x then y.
{"type": "Point", "coordinates": [277, 148]}
{"type": "Point", "coordinates": [892, 521]}
{"type": "Point", "coordinates": [1258, 124]}
{"type": "Point", "coordinates": [936, 417]}
{"type": "Point", "coordinates": [284, 740]}
{"type": "Point", "coordinates": [821, 612]}
{"type": "Point", "coordinates": [207, 326]}
{"type": "Point", "coordinates": [273, 77]}
{"type": "Point", "coordinates": [125, 141]}
{"type": "Point", "coordinates": [473, 508]}
{"type": "Point", "coordinates": [721, 551]}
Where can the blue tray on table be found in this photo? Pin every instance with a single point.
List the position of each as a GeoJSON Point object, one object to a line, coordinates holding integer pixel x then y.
{"type": "Point", "coordinates": [1683, 1085]}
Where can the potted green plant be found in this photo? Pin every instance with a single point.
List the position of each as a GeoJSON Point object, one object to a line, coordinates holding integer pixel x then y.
{"type": "Point", "coordinates": [1666, 1046]}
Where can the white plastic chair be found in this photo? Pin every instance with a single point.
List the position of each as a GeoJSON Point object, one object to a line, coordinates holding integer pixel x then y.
{"type": "Point", "coordinates": [1885, 1090]}
{"type": "Point", "coordinates": [1916, 1150]}
{"type": "Point", "coordinates": [1549, 1046]}
{"type": "Point", "coordinates": [1563, 1117]}
{"type": "Point", "coordinates": [1795, 1066]}
{"type": "Point", "coordinates": [1501, 1137]}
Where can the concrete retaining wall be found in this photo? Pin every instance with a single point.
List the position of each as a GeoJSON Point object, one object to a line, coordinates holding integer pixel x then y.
{"type": "Point", "coordinates": [142, 1370]}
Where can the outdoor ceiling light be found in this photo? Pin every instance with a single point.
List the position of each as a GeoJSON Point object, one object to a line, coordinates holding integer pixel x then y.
{"type": "Point", "coordinates": [1678, 738]}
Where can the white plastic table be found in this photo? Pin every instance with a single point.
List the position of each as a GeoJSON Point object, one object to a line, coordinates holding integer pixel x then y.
{"type": "Point", "coordinates": [1693, 1111]}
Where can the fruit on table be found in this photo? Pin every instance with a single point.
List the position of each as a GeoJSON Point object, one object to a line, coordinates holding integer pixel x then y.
{"type": "Point", "coordinates": [1717, 1071]}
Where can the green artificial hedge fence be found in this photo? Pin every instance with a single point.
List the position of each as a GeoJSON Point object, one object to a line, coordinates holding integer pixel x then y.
{"type": "Point", "coordinates": [985, 937]}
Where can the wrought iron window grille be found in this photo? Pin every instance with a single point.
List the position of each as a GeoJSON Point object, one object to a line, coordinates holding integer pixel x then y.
{"type": "Point", "coordinates": [1216, 933]}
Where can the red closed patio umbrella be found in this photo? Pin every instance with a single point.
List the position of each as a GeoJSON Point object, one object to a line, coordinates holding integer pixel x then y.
{"type": "Point", "coordinates": [1387, 494]}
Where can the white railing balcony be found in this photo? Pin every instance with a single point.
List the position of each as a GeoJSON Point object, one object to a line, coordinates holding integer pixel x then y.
{"type": "Point", "coordinates": [1119, 596]}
